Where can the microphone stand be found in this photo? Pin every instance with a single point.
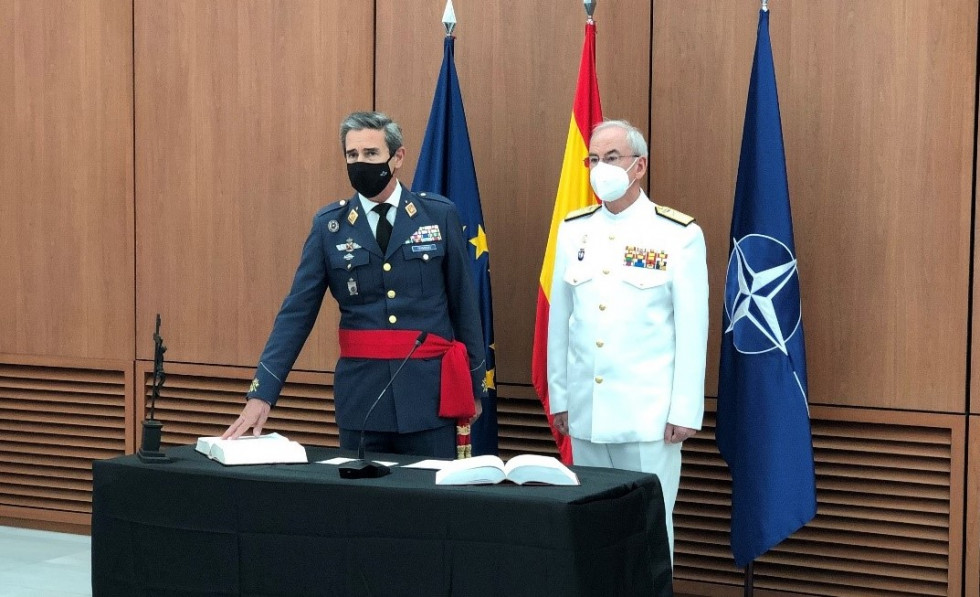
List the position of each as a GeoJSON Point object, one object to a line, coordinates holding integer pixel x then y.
{"type": "Point", "coordinates": [366, 469]}
{"type": "Point", "coordinates": [153, 429]}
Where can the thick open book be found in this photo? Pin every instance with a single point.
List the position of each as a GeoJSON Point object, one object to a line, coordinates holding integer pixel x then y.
{"type": "Point", "coordinates": [524, 469]}
{"type": "Point", "coordinates": [271, 448]}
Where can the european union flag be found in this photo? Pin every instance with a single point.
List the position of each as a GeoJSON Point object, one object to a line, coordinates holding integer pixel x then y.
{"type": "Point", "coordinates": [763, 426]}
{"type": "Point", "coordinates": [446, 167]}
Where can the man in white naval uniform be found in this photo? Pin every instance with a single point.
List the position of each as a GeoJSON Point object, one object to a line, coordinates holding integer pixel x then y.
{"type": "Point", "coordinates": [628, 328]}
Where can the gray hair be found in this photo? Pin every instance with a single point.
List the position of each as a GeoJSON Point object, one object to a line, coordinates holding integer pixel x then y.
{"type": "Point", "coordinates": [633, 135]}
{"type": "Point", "coordinates": [379, 121]}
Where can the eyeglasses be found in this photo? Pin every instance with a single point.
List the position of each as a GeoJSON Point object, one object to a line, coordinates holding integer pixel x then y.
{"type": "Point", "coordinates": [612, 160]}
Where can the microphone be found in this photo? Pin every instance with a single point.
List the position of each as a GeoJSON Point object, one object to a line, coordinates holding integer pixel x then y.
{"type": "Point", "coordinates": [365, 469]}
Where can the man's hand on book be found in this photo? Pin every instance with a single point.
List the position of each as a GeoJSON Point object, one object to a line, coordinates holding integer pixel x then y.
{"type": "Point", "coordinates": [253, 416]}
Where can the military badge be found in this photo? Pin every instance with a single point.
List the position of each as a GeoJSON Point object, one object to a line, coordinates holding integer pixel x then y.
{"type": "Point", "coordinates": [352, 217]}
{"type": "Point", "coordinates": [352, 287]}
{"type": "Point", "coordinates": [640, 257]}
{"type": "Point", "coordinates": [581, 254]}
{"type": "Point", "coordinates": [348, 246]}
{"type": "Point", "coordinates": [410, 209]}
{"type": "Point", "coordinates": [255, 385]}
{"type": "Point", "coordinates": [426, 234]}
{"type": "Point", "coordinates": [333, 226]}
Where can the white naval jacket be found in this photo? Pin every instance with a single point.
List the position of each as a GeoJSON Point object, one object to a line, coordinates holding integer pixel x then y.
{"type": "Point", "coordinates": [628, 327]}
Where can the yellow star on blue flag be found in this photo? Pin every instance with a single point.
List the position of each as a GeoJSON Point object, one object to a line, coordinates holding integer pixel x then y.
{"type": "Point", "coordinates": [480, 241]}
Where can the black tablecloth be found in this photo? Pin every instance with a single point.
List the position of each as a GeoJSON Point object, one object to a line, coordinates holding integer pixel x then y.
{"type": "Point", "coordinates": [195, 527]}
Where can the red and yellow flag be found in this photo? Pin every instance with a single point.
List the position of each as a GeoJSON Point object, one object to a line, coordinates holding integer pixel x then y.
{"type": "Point", "coordinates": [574, 192]}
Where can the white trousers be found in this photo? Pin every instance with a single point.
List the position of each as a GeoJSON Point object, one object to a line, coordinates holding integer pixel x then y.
{"type": "Point", "coordinates": [659, 458]}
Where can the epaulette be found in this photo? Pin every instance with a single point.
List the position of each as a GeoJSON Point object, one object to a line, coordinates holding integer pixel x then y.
{"type": "Point", "coordinates": [333, 206]}
{"type": "Point", "coordinates": [578, 213]}
{"type": "Point", "coordinates": [672, 214]}
{"type": "Point", "coordinates": [433, 197]}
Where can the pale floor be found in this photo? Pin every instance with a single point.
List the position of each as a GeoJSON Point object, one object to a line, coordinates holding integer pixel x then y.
{"type": "Point", "coordinates": [44, 564]}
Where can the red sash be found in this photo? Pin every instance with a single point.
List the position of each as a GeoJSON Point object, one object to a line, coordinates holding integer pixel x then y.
{"type": "Point", "coordinates": [456, 387]}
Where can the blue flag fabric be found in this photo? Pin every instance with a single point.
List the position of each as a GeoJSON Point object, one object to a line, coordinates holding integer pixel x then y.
{"type": "Point", "coordinates": [763, 425]}
{"type": "Point", "coordinates": [446, 167]}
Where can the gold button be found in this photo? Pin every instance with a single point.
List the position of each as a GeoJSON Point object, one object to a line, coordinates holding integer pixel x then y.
{"type": "Point", "coordinates": [605, 271]}
{"type": "Point", "coordinates": [612, 237]}
{"type": "Point", "coordinates": [386, 267]}
{"type": "Point", "coordinates": [602, 307]}
{"type": "Point", "coordinates": [391, 294]}
{"type": "Point", "coordinates": [600, 343]}
{"type": "Point", "coordinates": [598, 380]}
{"type": "Point", "coordinates": [392, 319]}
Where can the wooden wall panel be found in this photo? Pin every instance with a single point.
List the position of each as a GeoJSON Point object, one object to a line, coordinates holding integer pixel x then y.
{"type": "Point", "coordinates": [890, 512]}
{"type": "Point", "coordinates": [518, 64]}
{"type": "Point", "coordinates": [971, 552]}
{"type": "Point", "coordinates": [202, 400]}
{"type": "Point", "coordinates": [877, 106]}
{"type": "Point", "coordinates": [701, 61]}
{"type": "Point", "coordinates": [238, 106]}
{"type": "Point", "coordinates": [974, 381]}
{"type": "Point", "coordinates": [66, 178]}
{"type": "Point", "coordinates": [56, 416]}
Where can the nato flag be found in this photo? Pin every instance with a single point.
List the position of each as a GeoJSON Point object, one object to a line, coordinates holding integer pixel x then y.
{"type": "Point", "coordinates": [763, 425]}
{"type": "Point", "coordinates": [446, 167]}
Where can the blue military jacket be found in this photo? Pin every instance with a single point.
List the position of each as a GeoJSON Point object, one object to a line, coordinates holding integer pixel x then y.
{"type": "Point", "coordinates": [421, 283]}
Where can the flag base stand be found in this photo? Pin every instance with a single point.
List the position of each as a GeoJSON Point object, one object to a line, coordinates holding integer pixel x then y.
{"type": "Point", "coordinates": [149, 451]}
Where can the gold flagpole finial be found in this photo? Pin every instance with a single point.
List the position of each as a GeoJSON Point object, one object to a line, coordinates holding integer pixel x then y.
{"type": "Point", "coordinates": [449, 18]}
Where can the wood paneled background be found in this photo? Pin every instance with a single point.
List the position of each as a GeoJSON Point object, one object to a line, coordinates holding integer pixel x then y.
{"type": "Point", "coordinates": [167, 156]}
{"type": "Point", "coordinates": [66, 179]}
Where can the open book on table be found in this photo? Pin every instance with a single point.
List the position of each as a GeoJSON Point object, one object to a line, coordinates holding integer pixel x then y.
{"type": "Point", "coordinates": [531, 469]}
{"type": "Point", "coordinates": [270, 448]}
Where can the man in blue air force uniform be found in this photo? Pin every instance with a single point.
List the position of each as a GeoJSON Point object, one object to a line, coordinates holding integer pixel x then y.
{"type": "Point", "coordinates": [419, 282]}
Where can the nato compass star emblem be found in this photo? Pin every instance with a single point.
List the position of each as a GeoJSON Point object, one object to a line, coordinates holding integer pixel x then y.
{"type": "Point", "coordinates": [762, 295]}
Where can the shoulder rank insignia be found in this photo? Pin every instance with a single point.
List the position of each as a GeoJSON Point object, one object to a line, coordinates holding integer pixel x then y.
{"type": "Point", "coordinates": [578, 213]}
{"type": "Point", "coordinates": [672, 214]}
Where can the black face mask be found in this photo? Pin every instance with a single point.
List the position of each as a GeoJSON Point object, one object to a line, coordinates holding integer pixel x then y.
{"type": "Point", "coordinates": [369, 179]}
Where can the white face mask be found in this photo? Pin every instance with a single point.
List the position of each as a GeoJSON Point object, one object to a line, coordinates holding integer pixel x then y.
{"type": "Point", "coordinates": [610, 182]}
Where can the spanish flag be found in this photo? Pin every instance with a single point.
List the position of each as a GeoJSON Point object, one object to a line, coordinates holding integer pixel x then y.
{"type": "Point", "coordinates": [574, 192]}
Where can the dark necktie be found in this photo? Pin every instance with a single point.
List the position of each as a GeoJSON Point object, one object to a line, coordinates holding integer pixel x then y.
{"type": "Point", "coordinates": [383, 232]}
